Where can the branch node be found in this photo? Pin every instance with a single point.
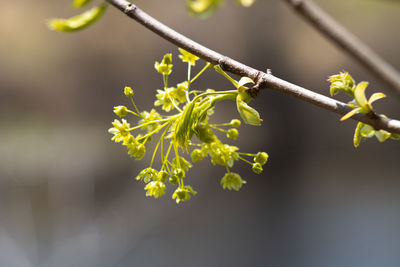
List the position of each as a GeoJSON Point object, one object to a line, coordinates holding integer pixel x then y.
{"type": "Point", "coordinates": [129, 8]}
{"type": "Point", "coordinates": [255, 90]}
{"type": "Point", "coordinates": [222, 62]}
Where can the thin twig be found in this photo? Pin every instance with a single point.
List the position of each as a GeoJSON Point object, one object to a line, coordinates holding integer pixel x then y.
{"type": "Point", "coordinates": [340, 36]}
{"type": "Point", "coordinates": [263, 80]}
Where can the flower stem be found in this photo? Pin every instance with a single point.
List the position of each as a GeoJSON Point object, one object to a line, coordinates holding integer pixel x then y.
{"type": "Point", "coordinates": [245, 160]}
{"type": "Point", "coordinates": [201, 72]}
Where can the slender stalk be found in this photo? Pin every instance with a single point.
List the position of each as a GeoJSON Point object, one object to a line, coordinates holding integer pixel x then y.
{"type": "Point", "coordinates": [263, 80]}
{"type": "Point", "coordinates": [200, 72]}
{"type": "Point", "coordinates": [245, 160]}
{"type": "Point", "coordinates": [343, 38]}
{"type": "Point", "coordinates": [137, 110]}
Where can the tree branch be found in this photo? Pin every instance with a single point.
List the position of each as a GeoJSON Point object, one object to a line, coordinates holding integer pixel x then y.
{"type": "Point", "coordinates": [263, 80]}
{"type": "Point", "coordinates": [340, 36]}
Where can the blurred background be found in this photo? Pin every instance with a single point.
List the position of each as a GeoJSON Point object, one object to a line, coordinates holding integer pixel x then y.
{"type": "Point", "coordinates": [67, 193]}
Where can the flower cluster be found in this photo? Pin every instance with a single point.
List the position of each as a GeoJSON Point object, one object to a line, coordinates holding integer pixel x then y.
{"type": "Point", "coordinates": [193, 109]}
{"type": "Point", "coordinates": [360, 104]}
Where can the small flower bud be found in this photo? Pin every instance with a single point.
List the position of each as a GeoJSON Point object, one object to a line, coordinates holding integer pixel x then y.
{"type": "Point", "coordinates": [261, 158]}
{"type": "Point", "coordinates": [235, 123]}
{"type": "Point", "coordinates": [128, 91]}
{"type": "Point", "coordinates": [257, 168]}
{"type": "Point", "coordinates": [232, 133]}
{"type": "Point", "coordinates": [121, 111]}
{"type": "Point", "coordinates": [197, 155]}
{"type": "Point", "coordinates": [162, 176]}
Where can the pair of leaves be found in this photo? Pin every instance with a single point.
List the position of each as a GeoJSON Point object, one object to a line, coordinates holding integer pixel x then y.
{"type": "Point", "coordinates": [367, 131]}
{"type": "Point", "coordinates": [360, 103]}
{"type": "Point", "coordinates": [248, 114]}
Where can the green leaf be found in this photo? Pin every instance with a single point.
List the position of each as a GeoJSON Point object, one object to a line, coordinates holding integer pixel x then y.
{"type": "Point", "coordinates": [367, 131]}
{"type": "Point", "coordinates": [374, 97]}
{"type": "Point", "coordinates": [351, 113]}
{"type": "Point", "coordinates": [359, 96]}
{"type": "Point", "coordinates": [395, 136]}
{"type": "Point", "coordinates": [243, 81]}
{"type": "Point", "coordinates": [382, 135]}
{"type": "Point", "coordinates": [81, 3]}
{"type": "Point", "coordinates": [183, 130]}
{"type": "Point", "coordinates": [243, 89]}
{"type": "Point", "coordinates": [357, 134]}
{"type": "Point", "coordinates": [202, 8]}
{"type": "Point", "coordinates": [249, 115]}
{"type": "Point", "coordinates": [78, 22]}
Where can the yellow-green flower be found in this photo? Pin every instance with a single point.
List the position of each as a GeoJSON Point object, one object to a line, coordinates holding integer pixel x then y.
{"type": "Point", "coordinates": [183, 193]}
{"type": "Point", "coordinates": [183, 163]}
{"type": "Point", "coordinates": [233, 181]}
{"type": "Point", "coordinates": [164, 99]}
{"type": "Point", "coordinates": [179, 93]}
{"type": "Point", "coordinates": [147, 175]}
{"type": "Point", "coordinates": [188, 57]}
{"type": "Point", "coordinates": [135, 148]}
{"type": "Point", "coordinates": [165, 67]}
{"type": "Point", "coordinates": [120, 130]}
{"type": "Point", "coordinates": [148, 117]}
{"type": "Point", "coordinates": [197, 155]}
{"type": "Point", "coordinates": [223, 154]}
{"type": "Point", "coordinates": [155, 189]}
{"type": "Point", "coordinates": [121, 111]}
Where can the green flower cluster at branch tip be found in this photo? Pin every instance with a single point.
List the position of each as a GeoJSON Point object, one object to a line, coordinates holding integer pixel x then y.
{"type": "Point", "coordinates": [187, 131]}
{"type": "Point", "coordinates": [360, 104]}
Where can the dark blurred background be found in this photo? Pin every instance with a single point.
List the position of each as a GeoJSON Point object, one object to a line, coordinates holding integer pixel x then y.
{"type": "Point", "coordinates": [67, 193]}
